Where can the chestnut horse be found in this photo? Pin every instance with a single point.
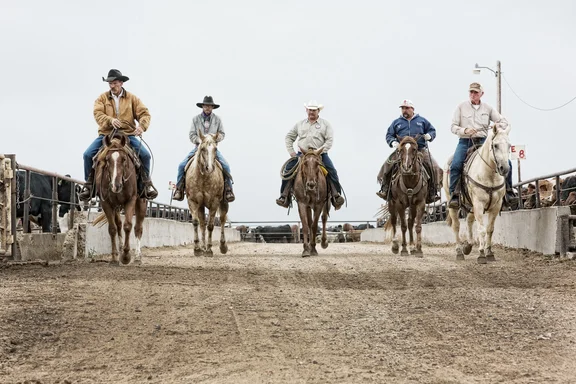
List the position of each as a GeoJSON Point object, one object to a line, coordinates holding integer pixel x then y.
{"type": "Point", "coordinates": [408, 189]}
{"type": "Point", "coordinates": [311, 191]}
{"type": "Point", "coordinates": [205, 189]}
{"type": "Point", "coordinates": [116, 186]}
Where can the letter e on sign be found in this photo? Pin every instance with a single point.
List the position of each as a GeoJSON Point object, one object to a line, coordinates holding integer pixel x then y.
{"type": "Point", "coordinates": [518, 152]}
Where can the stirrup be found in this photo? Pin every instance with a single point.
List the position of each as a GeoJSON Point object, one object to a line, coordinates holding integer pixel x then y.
{"type": "Point", "coordinates": [337, 201]}
{"type": "Point", "coordinates": [381, 195]}
{"type": "Point", "coordinates": [230, 196]}
{"type": "Point", "coordinates": [86, 193]}
{"type": "Point", "coordinates": [454, 202]}
{"type": "Point", "coordinates": [283, 201]}
{"type": "Point", "coordinates": [150, 193]}
{"type": "Point", "coordinates": [178, 195]}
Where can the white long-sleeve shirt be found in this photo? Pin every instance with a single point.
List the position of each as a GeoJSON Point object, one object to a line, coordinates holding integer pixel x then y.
{"type": "Point", "coordinates": [310, 135]}
{"type": "Point", "coordinates": [466, 116]}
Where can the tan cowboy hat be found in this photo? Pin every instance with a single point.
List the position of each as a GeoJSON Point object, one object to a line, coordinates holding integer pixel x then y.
{"type": "Point", "coordinates": [313, 105]}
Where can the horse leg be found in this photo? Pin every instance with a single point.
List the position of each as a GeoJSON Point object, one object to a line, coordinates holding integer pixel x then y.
{"type": "Point", "coordinates": [112, 231]}
{"type": "Point", "coordinates": [302, 210]}
{"type": "Point", "coordinates": [403, 227]}
{"type": "Point", "coordinates": [139, 228]}
{"type": "Point", "coordinates": [202, 223]}
{"type": "Point", "coordinates": [393, 219]}
{"type": "Point", "coordinates": [313, 250]}
{"type": "Point", "coordinates": [419, 214]}
{"type": "Point", "coordinates": [455, 223]}
{"type": "Point", "coordinates": [489, 231]}
{"type": "Point", "coordinates": [325, 210]}
{"type": "Point", "coordinates": [223, 213]}
{"type": "Point", "coordinates": [195, 222]}
{"type": "Point", "coordinates": [478, 214]}
{"type": "Point", "coordinates": [128, 215]}
{"type": "Point", "coordinates": [470, 240]}
{"type": "Point", "coordinates": [411, 217]}
{"type": "Point", "coordinates": [211, 216]}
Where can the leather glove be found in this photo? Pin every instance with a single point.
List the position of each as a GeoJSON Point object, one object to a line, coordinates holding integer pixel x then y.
{"type": "Point", "coordinates": [394, 144]}
{"type": "Point", "coordinates": [427, 137]}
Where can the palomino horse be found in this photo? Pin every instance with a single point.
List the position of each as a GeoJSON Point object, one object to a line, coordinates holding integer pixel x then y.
{"type": "Point", "coordinates": [117, 187]}
{"type": "Point", "coordinates": [311, 191]}
{"type": "Point", "coordinates": [409, 189]}
{"type": "Point", "coordinates": [485, 183]}
{"type": "Point", "coordinates": [205, 189]}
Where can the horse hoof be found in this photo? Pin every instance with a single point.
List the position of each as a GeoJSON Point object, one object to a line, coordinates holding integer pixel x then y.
{"type": "Point", "coordinates": [324, 244]}
{"type": "Point", "coordinates": [314, 252]}
{"type": "Point", "coordinates": [223, 248]}
{"type": "Point", "coordinates": [209, 253]}
{"type": "Point", "coordinates": [395, 249]}
{"type": "Point", "coordinates": [114, 263]}
{"type": "Point", "coordinates": [198, 252]}
{"type": "Point", "coordinates": [482, 260]}
{"type": "Point", "coordinates": [137, 262]}
{"type": "Point", "coordinates": [125, 259]}
{"type": "Point", "coordinates": [417, 253]}
{"type": "Point", "coordinates": [467, 248]}
{"type": "Point", "coordinates": [305, 253]}
{"type": "Point", "coordinates": [460, 257]}
{"type": "Point", "coordinates": [404, 253]}
{"type": "Point", "coordinates": [490, 258]}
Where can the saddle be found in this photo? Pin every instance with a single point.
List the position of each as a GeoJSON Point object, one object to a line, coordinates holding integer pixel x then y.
{"type": "Point", "coordinates": [465, 200]}
{"type": "Point", "coordinates": [191, 158]}
{"type": "Point", "coordinates": [127, 149]}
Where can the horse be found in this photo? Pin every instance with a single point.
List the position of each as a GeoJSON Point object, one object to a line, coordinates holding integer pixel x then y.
{"type": "Point", "coordinates": [311, 191]}
{"type": "Point", "coordinates": [205, 189]}
{"type": "Point", "coordinates": [408, 189]}
{"type": "Point", "coordinates": [116, 185]}
{"type": "Point", "coordinates": [485, 186]}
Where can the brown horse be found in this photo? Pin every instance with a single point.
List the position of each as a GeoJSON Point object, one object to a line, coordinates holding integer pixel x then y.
{"type": "Point", "coordinates": [409, 189]}
{"type": "Point", "coordinates": [117, 188]}
{"type": "Point", "coordinates": [205, 189]}
{"type": "Point", "coordinates": [311, 191]}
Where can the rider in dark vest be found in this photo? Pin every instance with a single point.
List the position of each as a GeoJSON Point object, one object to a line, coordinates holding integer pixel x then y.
{"type": "Point", "coordinates": [119, 109]}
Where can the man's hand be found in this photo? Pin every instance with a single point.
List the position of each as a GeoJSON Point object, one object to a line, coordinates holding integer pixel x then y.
{"type": "Point", "coordinates": [138, 131]}
{"type": "Point", "coordinates": [394, 144]}
{"type": "Point", "coordinates": [292, 154]}
{"type": "Point", "coordinates": [427, 137]}
{"type": "Point", "coordinates": [470, 131]}
{"type": "Point", "coordinates": [116, 123]}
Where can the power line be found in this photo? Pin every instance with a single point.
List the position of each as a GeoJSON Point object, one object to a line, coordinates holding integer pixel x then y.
{"type": "Point", "coordinates": [531, 106]}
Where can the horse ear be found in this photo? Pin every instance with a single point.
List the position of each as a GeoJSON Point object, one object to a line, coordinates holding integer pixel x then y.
{"type": "Point", "coordinates": [508, 128]}
{"type": "Point", "coordinates": [201, 135]}
{"type": "Point", "coordinates": [216, 136]}
{"type": "Point", "coordinates": [494, 129]}
{"type": "Point", "coordinates": [123, 140]}
{"type": "Point", "coordinates": [107, 140]}
{"type": "Point", "coordinates": [319, 151]}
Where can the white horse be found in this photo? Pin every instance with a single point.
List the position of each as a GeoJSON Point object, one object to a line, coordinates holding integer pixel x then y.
{"type": "Point", "coordinates": [485, 179]}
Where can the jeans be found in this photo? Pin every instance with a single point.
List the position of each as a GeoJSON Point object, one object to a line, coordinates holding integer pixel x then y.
{"type": "Point", "coordinates": [181, 167]}
{"type": "Point", "coordinates": [136, 145]}
{"type": "Point", "coordinates": [332, 174]}
{"type": "Point", "coordinates": [458, 163]}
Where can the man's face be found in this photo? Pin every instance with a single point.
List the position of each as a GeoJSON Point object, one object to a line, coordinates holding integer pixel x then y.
{"type": "Point", "coordinates": [116, 86]}
{"type": "Point", "coordinates": [207, 109]}
{"type": "Point", "coordinates": [475, 97]}
{"type": "Point", "coordinates": [313, 114]}
{"type": "Point", "coordinates": [407, 112]}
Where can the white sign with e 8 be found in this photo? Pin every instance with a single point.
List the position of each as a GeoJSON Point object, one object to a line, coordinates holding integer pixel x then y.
{"type": "Point", "coordinates": [518, 152]}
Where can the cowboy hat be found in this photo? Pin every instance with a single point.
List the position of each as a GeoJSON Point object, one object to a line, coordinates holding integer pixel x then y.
{"type": "Point", "coordinates": [208, 100]}
{"type": "Point", "coordinates": [313, 104]}
{"type": "Point", "coordinates": [115, 74]}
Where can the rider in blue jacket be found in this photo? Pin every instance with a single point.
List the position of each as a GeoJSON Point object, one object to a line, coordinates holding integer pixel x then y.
{"type": "Point", "coordinates": [410, 124]}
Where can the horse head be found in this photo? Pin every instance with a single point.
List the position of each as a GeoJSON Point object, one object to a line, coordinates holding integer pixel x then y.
{"type": "Point", "coordinates": [410, 158]}
{"type": "Point", "coordinates": [206, 153]}
{"type": "Point", "coordinates": [310, 168]}
{"type": "Point", "coordinates": [115, 160]}
{"type": "Point", "coordinates": [500, 147]}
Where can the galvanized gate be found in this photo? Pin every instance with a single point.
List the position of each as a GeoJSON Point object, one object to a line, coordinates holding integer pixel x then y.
{"type": "Point", "coordinates": [6, 225]}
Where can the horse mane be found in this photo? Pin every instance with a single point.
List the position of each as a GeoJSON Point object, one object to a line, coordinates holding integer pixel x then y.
{"type": "Point", "coordinates": [408, 140]}
{"type": "Point", "coordinates": [115, 145]}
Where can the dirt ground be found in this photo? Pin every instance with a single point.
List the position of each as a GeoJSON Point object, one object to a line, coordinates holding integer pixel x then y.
{"type": "Point", "coordinates": [262, 314]}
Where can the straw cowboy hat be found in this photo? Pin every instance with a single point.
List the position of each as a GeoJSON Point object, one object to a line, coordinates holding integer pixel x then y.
{"type": "Point", "coordinates": [208, 100]}
{"type": "Point", "coordinates": [115, 74]}
{"type": "Point", "coordinates": [313, 104]}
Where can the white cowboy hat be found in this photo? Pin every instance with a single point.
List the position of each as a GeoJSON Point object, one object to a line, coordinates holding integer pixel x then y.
{"type": "Point", "coordinates": [407, 103]}
{"type": "Point", "coordinates": [313, 104]}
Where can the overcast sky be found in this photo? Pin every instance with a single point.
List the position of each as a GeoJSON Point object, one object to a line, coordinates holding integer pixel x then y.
{"type": "Point", "coordinates": [261, 60]}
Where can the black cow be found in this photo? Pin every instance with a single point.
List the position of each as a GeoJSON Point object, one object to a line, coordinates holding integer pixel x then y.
{"type": "Point", "coordinates": [279, 234]}
{"type": "Point", "coordinates": [363, 226]}
{"type": "Point", "coordinates": [41, 198]}
{"type": "Point", "coordinates": [569, 185]}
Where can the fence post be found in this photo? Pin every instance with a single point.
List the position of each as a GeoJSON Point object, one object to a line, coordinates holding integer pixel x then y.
{"type": "Point", "coordinates": [27, 193]}
{"type": "Point", "coordinates": [54, 205]}
{"type": "Point", "coordinates": [13, 192]}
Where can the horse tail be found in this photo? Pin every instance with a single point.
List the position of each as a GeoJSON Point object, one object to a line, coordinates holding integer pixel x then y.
{"type": "Point", "coordinates": [449, 220]}
{"type": "Point", "coordinates": [388, 229]}
{"type": "Point", "coordinates": [100, 220]}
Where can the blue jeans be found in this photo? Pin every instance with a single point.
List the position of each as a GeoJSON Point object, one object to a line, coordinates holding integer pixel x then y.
{"type": "Point", "coordinates": [181, 167]}
{"type": "Point", "coordinates": [458, 163]}
{"type": "Point", "coordinates": [134, 143]}
{"type": "Point", "coordinates": [332, 173]}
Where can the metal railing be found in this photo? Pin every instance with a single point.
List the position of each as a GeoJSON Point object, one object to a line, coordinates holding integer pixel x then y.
{"type": "Point", "coordinates": [536, 182]}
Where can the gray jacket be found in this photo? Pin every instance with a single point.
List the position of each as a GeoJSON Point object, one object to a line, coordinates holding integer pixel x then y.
{"type": "Point", "coordinates": [198, 124]}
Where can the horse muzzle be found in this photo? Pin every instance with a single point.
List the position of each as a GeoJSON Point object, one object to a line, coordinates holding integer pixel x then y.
{"type": "Point", "coordinates": [311, 185]}
{"type": "Point", "coordinates": [116, 187]}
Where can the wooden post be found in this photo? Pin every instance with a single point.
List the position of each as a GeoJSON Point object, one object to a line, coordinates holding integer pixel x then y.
{"type": "Point", "coordinates": [54, 205]}
{"type": "Point", "coordinates": [27, 193]}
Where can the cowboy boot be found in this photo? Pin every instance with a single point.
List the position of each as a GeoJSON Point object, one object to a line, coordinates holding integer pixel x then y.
{"type": "Point", "coordinates": [284, 199]}
{"type": "Point", "coordinates": [228, 193]}
{"type": "Point", "coordinates": [432, 196]}
{"type": "Point", "coordinates": [179, 192]}
{"type": "Point", "coordinates": [510, 198]}
{"type": "Point", "coordinates": [385, 189]}
{"type": "Point", "coordinates": [150, 192]}
{"type": "Point", "coordinates": [455, 199]}
{"type": "Point", "coordinates": [86, 193]}
{"type": "Point", "coordinates": [337, 199]}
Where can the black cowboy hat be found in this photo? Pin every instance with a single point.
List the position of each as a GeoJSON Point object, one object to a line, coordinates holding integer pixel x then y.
{"type": "Point", "coordinates": [115, 74]}
{"type": "Point", "coordinates": [208, 100]}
